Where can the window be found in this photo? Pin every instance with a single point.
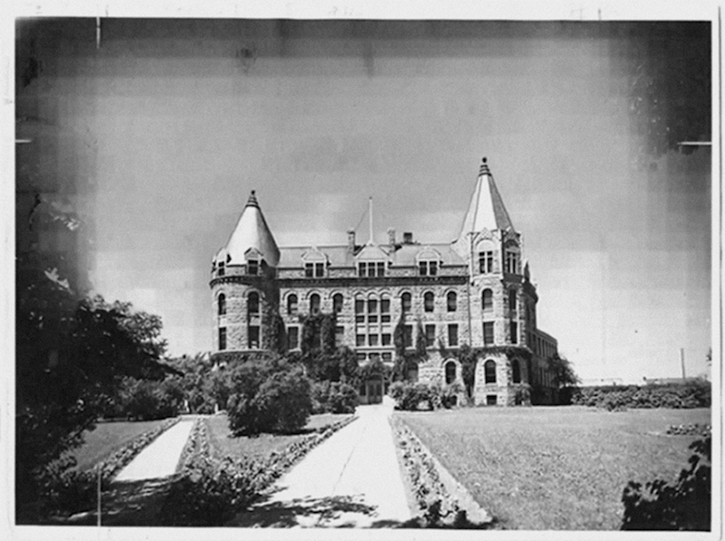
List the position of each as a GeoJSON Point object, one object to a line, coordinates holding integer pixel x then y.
{"type": "Point", "coordinates": [293, 337]}
{"type": "Point", "coordinates": [405, 302]}
{"type": "Point", "coordinates": [253, 337]}
{"type": "Point", "coordinates": [428, 301]}
{"type": "Point", "coordinates": [452, 301]}
{"type": "Point", "coordinates": [372, 321]}
{"type": "Point", "coordinates": [428, 268]}
{"type": "Point", "coordinates": [253, 267]}
{"type": "Point", "coordinates": [512, 301]}
{"type": "Point", "coordinates": [514, 331]}
{"type": "Point", "coordinates": [337, 303]}
{"type": "Point", "coordinates": [511, 264]}
{"type": "Point", "coordinates": [430, 335]}
{"type": "Point", "coordinates": [372, 339]}
{"type": "Point", "coordinates": [453, 335]}
{"type": "Point", "coordinates": [408, 335]}
{"type": "Point", "coordinates": [253, 304]}
{"type": "Point", "coordinates": [491, 399]}
{"type": "Point", "coordinates": [314, 303]}
{"type": "Point", "coordinates": [220, 271]}
{"type": "Point", "coordinates": [450, 372]}
{"type": "Point", "coordinates": [292, 304]}
{"type": "Point", "coordinates": [371, 269]}
{"type": "Point", "coordinates": [485, 262]}
{"type": "Point", "coordinates": [487, 300]}
{"type": "Point", "coordinates": [359, 340]}
{"type": "Point", "coordinates": [488, 333]}
{"type": "Point", "coordinates": [385, 310]}
{"type": "Point", "coordinates": [222, 338]}
{"type": "Point", "coordinates": [339, 335]}
{"type": "Point", "coordinates": [385, 339]}
{"type": "Point", "coordinates": [489, 369]}
{"type": "Point", "coordinates": [314, 270]}
{"type": "Point", "coordinates": [515, 371]}
{"type": "Point", "coordinates": [222, 304]}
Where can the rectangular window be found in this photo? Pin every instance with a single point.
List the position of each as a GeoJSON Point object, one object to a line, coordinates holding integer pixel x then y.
{"type": "Point", "coordinates": [428, 268]}
{"type": "Point", "coordinates": [359, 306]}
{"type": "Point", "coordinates": [514, 333]}
{"type": "Point", "coordinates": [253, 337]}
{"type": "Point", "coordinates": [387, 356]}
{"type": "Point", "coordinates": [408, 336]}
{"type": "Point", "coordinates": [220, 271]}
{"type": "Point", "coordinates": [373, 339]}
{"type": "Point", "coordinates": [371, 269]}
{"type": "Point", "coordinates": [430, 335]}
{"type": "Point", "coordinates": [485, 262]}
{"type": "Point", "coordinates": [222, 338]}
{"type": "Point", "coordinates": [453, 335]}
{"type": "Point", "coordinates": [385, 339]}
{"type": "Point", "coordinates": [360, 340]}
{"type": "Point", "coordinates": [512, 301]}
{"type": "Point", "coordinates": [361, 357]}
{"type": "Point", "coordinates": [293, 338]}
{"type": "Point", "coordinates": [488, 332]}
{"type": "Point", "coordinates": [512, 262]}
{"type": "Point", "coordinates": [253, 267]}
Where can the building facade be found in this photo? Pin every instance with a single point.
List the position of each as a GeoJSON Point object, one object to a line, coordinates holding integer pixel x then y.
{"type": "Point", "coordinates": [475, 290]}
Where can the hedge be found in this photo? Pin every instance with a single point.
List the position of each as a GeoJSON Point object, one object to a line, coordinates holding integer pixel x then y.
{"type": "Point", "coordinates": [695, 394]}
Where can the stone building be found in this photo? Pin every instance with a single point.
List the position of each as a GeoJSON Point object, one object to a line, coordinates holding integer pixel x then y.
{"type": "Point", "coordinates": [475, 290]}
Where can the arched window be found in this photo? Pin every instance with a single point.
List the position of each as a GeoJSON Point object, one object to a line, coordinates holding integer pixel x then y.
{"type": "Point", "coordinates": [405, 302]}
{"type": "Point", "coordinates": [314, 303]}
{"type": "Point", "coordinates": [428, 301]}
{"type": "Point", "coordinates": [253, 304]}
{"type": "Point", "coordinates": [489, 369]}
{"type": "Point", "coordinates": [337, 303]}
{"type": "Point", "coordinates": [487, 300]}
{"type": "Point", "coordinates": [515, 371]}
{"type": "Point", "coordinates": [222, 304]}
{"type": "Point", "coordinates": [450, 372]}
{"type": "Point", "coordinates": [452, 301]}
{"type": "Point", "coordinates": [292, 304]}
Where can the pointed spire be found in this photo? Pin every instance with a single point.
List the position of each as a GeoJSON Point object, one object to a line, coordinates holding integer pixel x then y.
{"type": "Point", "coordinates": [252, 231]}
{"type": "Point", "coordinates": [486, 209]}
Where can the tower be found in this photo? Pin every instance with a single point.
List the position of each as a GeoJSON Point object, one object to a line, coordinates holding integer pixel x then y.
{"type": "Point", "coordinates": [243, 283]}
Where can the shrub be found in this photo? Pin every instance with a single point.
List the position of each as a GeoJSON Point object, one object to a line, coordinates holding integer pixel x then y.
{"type": "Point", "coordinates": [268, 396]}
{"type": "Point", "coordinates": [410, 396]}
{"type": "Point", "coordinates": [682, 505]}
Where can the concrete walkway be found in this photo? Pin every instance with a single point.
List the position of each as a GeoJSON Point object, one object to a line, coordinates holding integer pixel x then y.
{"type": "Point", "coordinates": [351, 479]}
{"type": "Point", "coordinates": [159, 459]}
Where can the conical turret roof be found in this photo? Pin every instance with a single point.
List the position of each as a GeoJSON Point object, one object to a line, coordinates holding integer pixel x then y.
{"type": "Point", "coordinates": [252, 231]}
{"type": "Point", "coordinates": [486, 209]}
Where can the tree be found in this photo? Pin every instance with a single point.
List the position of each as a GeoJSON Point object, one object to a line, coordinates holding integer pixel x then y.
{"type": "Point", "coordinates": [563, 372]}
{"type": "Point", "coordinates": [468, 358]}
{"type": "Point", "coordinates": [421, 343]}
{"type": "Point", "coordinates": [69, 363]}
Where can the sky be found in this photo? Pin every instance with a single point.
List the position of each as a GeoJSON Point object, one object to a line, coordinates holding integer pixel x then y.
{"type": "Point", "coordinates": [158, 136]}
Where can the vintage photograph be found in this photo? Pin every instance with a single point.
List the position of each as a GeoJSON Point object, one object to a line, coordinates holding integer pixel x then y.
{"type": "Point", "coordinates": [357, 272]}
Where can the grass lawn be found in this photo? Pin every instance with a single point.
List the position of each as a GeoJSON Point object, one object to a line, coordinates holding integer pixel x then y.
{"type": "Point", "coordinates": [107, 438]}
{"type": "Point", "coordinates": [224, 444]}
{"type": "Point", "coordinates": [555, 468]}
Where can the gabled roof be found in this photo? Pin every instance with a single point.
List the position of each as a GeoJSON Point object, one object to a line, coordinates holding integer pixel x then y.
{"type": "Point", "coordinates": [486, 209]}
{"type": "Point", "coordinates": [252, 232]}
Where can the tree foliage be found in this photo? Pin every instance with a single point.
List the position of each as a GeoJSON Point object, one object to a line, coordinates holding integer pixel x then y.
{"type": "Point", "coordinates": [562, 371]}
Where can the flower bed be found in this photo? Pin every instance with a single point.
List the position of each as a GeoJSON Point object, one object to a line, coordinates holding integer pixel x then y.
{"type": "Point", "coordinates": [429, 491]}
{"type": "Point", "coordinates": [208, 490]}
{"type": "Point", "coordinates": [689, 430]}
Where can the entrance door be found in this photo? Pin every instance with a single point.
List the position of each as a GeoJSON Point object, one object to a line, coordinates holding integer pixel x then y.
{"type": "Point", "coordinates": [375, 391]}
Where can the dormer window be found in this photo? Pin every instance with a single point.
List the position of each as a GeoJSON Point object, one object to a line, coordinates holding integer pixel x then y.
{"type": "Point", "coordinates": [253, 267]}
{"type": "Point", "coordinates": [428, 268]}
{"type": "Point", "coordinates": [314, 270]}
{"type": "Point", "coordinates": [220, 269]}
{"type": "Point", "coordinates": [511, 263]}
{"type": "Point", "coordinates": [485, 261]}
{"type": "Point", "coordinates": [370, 269]}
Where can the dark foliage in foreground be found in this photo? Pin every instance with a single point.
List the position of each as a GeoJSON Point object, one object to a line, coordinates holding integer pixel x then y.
{"type": "Point", "coordinates": [693, 394]}
{"type": "Point", "coordinates": [682, 505]}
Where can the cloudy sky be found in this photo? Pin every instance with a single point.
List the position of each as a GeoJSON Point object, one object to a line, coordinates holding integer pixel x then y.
{"type": "Point", "coordinates": [168, 125]}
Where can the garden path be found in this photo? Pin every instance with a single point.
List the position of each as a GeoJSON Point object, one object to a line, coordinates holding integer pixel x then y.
{"type": "Point", "coordinates": [160, 458]}
{"type": "Point", "coordinates": [351, 479]}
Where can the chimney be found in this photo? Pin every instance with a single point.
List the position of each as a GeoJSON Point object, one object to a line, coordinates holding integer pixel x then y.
{"type": "Point", "coordinates": [407, 237]}
{"type": "Point", "coordinates": [391, 236]}
{"type": "Point", "coordinates": [351, 240]}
